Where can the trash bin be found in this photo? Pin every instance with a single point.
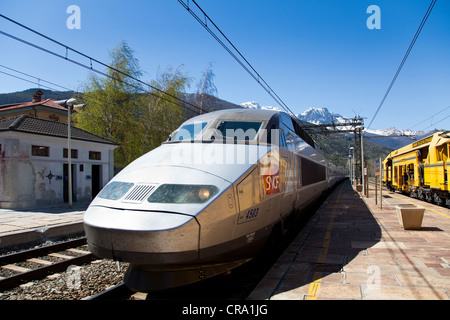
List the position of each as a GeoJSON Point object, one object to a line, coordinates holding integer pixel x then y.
{"type": "Point", "coordinates": [410, 216]}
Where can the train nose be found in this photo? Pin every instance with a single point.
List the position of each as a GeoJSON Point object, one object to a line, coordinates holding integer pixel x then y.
{"type": "Point", "coordinates": [144, 237]}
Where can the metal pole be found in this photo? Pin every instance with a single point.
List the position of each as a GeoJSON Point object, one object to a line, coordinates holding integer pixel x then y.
{"type": "Point", "coordinates": [376, 188]}
{"type": "Point", "coordinates": [362, 161]}
{"type": "Point", "coordinates": [351, 155]}
{"type": "Point", "coordinates": [69, 155]}
{"type": "Point", "coordinates": [353, 168]}
{"type": "Point", "coordinates": [381, 184]}
{"type": "Point", "coordinates": [68, 104]}
{"type": "Point", "coordinates": [349, 169]}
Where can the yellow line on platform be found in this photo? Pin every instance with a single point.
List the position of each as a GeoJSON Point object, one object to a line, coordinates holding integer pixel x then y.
{"type": "Point", "coordinates": [415, 203]}
{"type": "Point", "coordinates": [314, 287]}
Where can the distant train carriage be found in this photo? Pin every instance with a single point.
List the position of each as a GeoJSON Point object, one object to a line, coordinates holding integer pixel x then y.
{"type": "Point", "coordinates": [420, 169]}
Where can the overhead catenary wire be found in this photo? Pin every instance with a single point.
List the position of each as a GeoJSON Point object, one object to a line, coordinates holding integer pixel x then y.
{"type": "Point", "coordinates": [68, 49]}
{"type": "Point", "coordinates": [411, 45]}
{"type": "Point", "coordinates": [430, 117]}
{"type": "Point", "coordinates": [37, 78]}
{"type": "Point", "coordinates": [436, 122]}
{"type": "Point", "coordinates": [33, 82]}
{"type": "Point", "coordinates": [253, 73]}
{"type": "Point", "coordinates": [103, 73]}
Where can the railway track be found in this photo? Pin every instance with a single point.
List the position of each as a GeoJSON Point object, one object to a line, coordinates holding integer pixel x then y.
{"type": "Point", "coordinates": [235, 285]}
{"type": "Point", "coordinates": [33, 264]}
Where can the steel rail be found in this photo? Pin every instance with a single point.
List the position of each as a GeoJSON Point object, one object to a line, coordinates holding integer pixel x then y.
{"type": "Point", "coordinates": [40, 272]}
{"type": "Point", "coordinates": [36, 252]}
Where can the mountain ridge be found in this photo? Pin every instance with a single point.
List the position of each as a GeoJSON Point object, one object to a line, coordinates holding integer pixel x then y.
{"type": "Point", "coordinates": [320, 115]}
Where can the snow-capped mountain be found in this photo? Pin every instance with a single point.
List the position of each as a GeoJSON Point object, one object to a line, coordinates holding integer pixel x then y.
{"type": "Point", "coordinates": [393, 137]}
{"type": "Point", "coordinates": [256, 105]}
{"type": "Point", "coordinates": [320, 116]}
{"type": "Point", "coordinates": [323, 115]}
{"type": "Point", "coordinates": [312, 115]}
{"type": "Point", "coordinates": [395, 132]}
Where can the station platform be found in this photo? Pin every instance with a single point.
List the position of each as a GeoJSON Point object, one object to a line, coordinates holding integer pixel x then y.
{"type": "Point", "coordinates": [19, 226]}
{"type": "Point", "coordinates": [353, 250]}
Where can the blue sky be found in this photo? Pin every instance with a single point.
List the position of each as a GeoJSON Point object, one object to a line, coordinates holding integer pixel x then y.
{"type": "Point", "coordinates": [312, 53]}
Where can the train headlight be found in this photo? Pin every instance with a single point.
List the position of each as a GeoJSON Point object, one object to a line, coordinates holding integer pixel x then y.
{"type": "Point", "coordinates": [182, 193]}
{"type": "Point", "coordinates": [204, 194]}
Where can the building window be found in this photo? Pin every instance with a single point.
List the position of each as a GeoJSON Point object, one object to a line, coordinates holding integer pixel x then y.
{"type": "Point", "coordinates": [95, 155]}
{"type": "Point", "coordinates": [73, 153]}
{"type": "Point", "coordinates": [40, 151]}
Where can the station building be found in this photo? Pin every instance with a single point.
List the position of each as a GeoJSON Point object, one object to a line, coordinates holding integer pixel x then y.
{"type": "Point", "coordinates": [34, 157]}
{"type": "Point", "coordinates": [37, 108]}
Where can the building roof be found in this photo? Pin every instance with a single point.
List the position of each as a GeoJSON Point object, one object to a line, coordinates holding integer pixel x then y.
{"type": "Point", "coordinates": [46, 103]}
{"type": "Point", "coordinates": [32, 125]}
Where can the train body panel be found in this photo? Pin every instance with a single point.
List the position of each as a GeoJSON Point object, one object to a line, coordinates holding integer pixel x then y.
{"type": "Point", "coordinates": [172, 238]}
{"type": "Point", "coordinates": [208, 199]}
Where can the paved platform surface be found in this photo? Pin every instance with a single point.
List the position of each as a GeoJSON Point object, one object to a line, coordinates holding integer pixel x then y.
{"type": "Point", "coordinates": [352, 249]}
{"type": "Point", "coordinates": [18, 226]}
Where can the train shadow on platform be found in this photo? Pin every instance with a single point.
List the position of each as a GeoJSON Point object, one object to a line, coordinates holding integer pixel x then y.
{"type": "Point", "coordinates": [341, 229]}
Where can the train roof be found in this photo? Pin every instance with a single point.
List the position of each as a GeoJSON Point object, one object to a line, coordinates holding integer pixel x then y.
{"type": "Point", "coordinates": [422, 143]}
{"type": "Point", "coordinates": [244, 114]}
{"type": "Point", "coordinates": [241, 114]}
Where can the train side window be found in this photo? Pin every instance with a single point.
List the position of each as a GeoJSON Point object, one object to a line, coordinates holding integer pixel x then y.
{"type": "Point", "coordinates": [302, 135]}
{"type": "Point", "coordinates": [272, 134]}
{"type": "Point", "coordinates": [290, 141]}
{"type": "Point", "coordinates": [282, 139]}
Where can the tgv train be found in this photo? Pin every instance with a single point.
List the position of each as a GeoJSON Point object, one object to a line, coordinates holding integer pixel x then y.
{"type": "Point", "coordinates": [208, 199]}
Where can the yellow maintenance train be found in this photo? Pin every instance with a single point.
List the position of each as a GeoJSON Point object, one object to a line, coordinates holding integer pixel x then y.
{"type": "Point", "coordinates": [421, 169]}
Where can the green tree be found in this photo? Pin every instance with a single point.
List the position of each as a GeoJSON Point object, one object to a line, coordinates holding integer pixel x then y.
{"type": "Point", "coordinates": [116, 107]}
{"type": "Point", "coordinates": [111, 104]}
{"type": "Point", "coordinates": [162, 112]}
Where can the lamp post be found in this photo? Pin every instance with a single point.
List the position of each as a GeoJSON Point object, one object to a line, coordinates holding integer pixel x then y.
{"type": "Point", "coordinates": [351, 155]}
{"type": "Point", "coordinates": [360, 129]}
{"type": "Point", "coordinates": [69, 105]}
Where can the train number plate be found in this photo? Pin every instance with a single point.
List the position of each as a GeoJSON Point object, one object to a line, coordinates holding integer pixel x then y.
{"type": "Point", "coordinates": [248, 215]}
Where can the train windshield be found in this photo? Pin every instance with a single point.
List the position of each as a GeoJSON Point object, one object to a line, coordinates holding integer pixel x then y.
{"type": "Point", "coordinates": [239, 130]}
{"type": "Point", "coordinates": [188, 132]}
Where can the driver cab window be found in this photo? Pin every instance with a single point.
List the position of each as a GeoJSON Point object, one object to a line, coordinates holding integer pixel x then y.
{"type": "Point", "coordinates": [238, 130]}
{"type": "Point", "coordinates": [188, 132]}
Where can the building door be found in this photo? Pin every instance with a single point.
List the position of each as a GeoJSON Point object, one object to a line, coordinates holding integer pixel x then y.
{"type": "Point", "coordinates": [96, 179]}
{"type": "Point", "coordinates": [66, 182]}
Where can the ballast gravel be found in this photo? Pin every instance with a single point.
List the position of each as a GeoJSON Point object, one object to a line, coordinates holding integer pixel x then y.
{"type": "Point", "coordinates": [76, 283]}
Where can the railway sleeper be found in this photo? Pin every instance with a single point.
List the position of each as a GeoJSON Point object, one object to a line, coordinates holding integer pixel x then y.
{"type": "Point", "coordinates": [38, 273]}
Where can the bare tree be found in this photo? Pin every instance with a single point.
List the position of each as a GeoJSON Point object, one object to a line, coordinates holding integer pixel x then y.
{"type": "Point", "coordinates": [206, 90]}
